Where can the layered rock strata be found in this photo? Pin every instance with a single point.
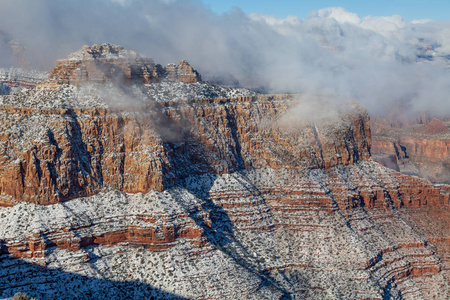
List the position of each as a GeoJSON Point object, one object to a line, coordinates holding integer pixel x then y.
{"type": "Point", "coordinates": [276, 209]}
{"type": "Point", "coordinates": [106, 62]}
{"type": "Point", "coordinates": [359, 231]}
{"type": "Point", "coordinates": [419, 148]}
{"type": "Point", "coordinates": [54, 155]}
{"type": "Point", "coordinates": [13, 79]}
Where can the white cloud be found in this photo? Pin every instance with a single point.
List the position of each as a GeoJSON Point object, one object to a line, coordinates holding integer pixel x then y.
{"type": "Point", "coordinates": [274, 21]}
{"type": "Point", "coordinates": [385, 26]}
{"type": "Point", "coordinates": [337, 13]}
{"type": "Point", "coordinates": [375, 60]}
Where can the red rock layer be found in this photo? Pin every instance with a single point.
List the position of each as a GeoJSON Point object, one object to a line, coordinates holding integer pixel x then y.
{"type": "Point", "coordinates": [21, 78]}
{"type": "Point", "coordinates": [421, 147]}
{"type": "Point", "coordinates": [378, 206]}
{"type": "Point", "coordinates": [434, 223]}
{"type": "Point", "coordinates": [183, 72]}
{"type": "Point", "coordinates": [386, 191]}
{"type": "Point", "coordinates": [102, 63]}
{"type": "Point", "coordinates": [154, 238]}
{"type": "Point", "coordinates": [81, 152]}
{"type": "Point", "coordinates": [428, 155]}
{"type": "Point", "coordinates": [387, 230]}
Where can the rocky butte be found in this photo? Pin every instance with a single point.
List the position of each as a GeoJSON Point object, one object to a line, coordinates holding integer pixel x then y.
{"type": "Point", "coordinates": [102, 63]}
{"type": "Point", "coordinates": [122, 179]}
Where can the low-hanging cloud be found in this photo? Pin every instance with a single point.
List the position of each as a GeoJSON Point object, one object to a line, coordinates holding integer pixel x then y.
{"type": "Point", "coordinates": [383, 62]}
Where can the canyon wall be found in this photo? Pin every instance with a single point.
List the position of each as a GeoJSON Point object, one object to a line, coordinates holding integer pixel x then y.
{"type": "Point", "coordinates": [161, 189]}
{"type": "Point", "coordinates": [420, 148]}
{"type": "Point", "coordinates": [14, 79]}
{"type": "Point", "coordinates": [359, 231]}
{"type": "Point", "coordinates": [70, 153]}
{"type": "Point", "coordinates": [278, 210]}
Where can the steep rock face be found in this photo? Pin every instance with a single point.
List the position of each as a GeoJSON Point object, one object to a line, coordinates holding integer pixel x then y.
{"type": "Point", "coordinates": [181, 185]}
{"type": "Point", "coordinates": [420, 149]}
{"type": "Point", "coordinates": [327, 191]}
{"type": "Point", "coordinates": [103, 63]}
{"type": "Point", "coordinates": [73, 153]}
{"type": "Point", "coordinates": [183, 72]}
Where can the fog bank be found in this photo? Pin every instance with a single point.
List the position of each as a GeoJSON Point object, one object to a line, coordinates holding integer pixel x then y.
{"type": "Point", "coordinates": [382, 62]}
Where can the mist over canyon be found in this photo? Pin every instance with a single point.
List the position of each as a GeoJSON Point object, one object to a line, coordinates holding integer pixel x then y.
{"type": "Point", "coordinates": [120, 178]}
{"type": "Point", "coordinates": [382, 62]}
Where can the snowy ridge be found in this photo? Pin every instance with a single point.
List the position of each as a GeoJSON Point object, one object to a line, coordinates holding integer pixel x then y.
{"type": "Point", "coordinates": [109, 95]}
{"type": "Point", "coordinates": [258, 244]}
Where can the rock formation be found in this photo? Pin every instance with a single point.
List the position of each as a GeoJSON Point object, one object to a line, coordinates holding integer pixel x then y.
{"type": "Point", "coordinates": [420, 147]}
{"type": "Point", "coordinates": [183, 72]}
{"type": "Point", "coordinates": [13, 79]}
{"type": "Point", "coordinates": [204, 197]}
{"type": "Point", "coordinates": [78, 153]}
{"type": "Point", "coordinates": [102, 63]}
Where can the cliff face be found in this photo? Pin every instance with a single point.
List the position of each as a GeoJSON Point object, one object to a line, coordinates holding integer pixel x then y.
{"type": "Point", "coordinates": [207, 193]}
{"type": "Point", "coordinates": [420, 148]}
{"type": "Point", "coordinates": [77, 153]}
{"type": "Point", "coordinates": [14, 79]}
{"type": "Point", "coordinates": [102, 63]}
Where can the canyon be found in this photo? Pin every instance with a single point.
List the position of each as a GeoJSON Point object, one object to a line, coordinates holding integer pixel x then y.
{"type": "Point", "coordinates": [419, 146]}
{"type": "Point", "coordinates": [123, 179]}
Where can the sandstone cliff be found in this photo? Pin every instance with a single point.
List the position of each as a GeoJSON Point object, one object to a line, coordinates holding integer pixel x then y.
{"type": "Point", "coordinates": [419, 147]}
{"type": "Point", "coordinates": [180, 190]}
{"type": "Point", "coordinates": [102, 63]}
{"type": "Point", "coordinates": [62, 154]}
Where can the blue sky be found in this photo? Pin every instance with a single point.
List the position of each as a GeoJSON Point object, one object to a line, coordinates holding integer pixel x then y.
{"type": "Point", "coordinates": [438, 10]}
